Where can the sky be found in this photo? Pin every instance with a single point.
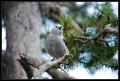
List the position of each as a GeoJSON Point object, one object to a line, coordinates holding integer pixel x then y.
{"type": "Point", "coordinates": [80, 72]}
{"type": "Point", "coordinates": [91, 9]}
{"type": "Point", "coordinates": [3, 39]}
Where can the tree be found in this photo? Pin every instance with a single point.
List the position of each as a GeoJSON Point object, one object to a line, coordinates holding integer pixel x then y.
{"type": "Point", "coordinates": [22, 58]}
{"type": "Point", "coordinates": [97, 28]}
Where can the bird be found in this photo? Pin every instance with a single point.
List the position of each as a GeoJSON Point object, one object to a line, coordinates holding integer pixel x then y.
{"type": "Point", "coordinates": [55, 44]}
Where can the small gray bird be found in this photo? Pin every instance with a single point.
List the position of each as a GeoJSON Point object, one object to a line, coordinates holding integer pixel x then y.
{"type": "Point", "coordinates": [55, 45]}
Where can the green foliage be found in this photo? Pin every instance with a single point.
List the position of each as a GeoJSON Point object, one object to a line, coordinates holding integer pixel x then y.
{"type": "Point", "coordinates": [88, 21]}
{"type": "Point", "coordinates": [66, 22]}
{"type": "Point", "coordinates": [103, 17]}
{"type": "Point", "coordinates": [101, 51]}
{"type": "Point", "coordinates": [112, 63]}
{"type": "Point", "coordinates": [101, 54]}
{"type": "Point", "coordinates": [107, 14]}
{"type": "Point", "coordinates": [106, 9]}
{"type": "Point", "coordinates": [69, 34]}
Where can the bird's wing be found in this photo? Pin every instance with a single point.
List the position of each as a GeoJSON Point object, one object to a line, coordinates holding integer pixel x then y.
{"type": "Point", "coordinates": [56, 46]}
{"type": "Point", "coordinates": [66, 42]}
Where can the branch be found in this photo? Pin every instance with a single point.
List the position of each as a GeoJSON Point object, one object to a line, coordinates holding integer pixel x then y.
{"type": "Point", "coordinates": [43, 66]}
{"type": "Point", "coordinates": [59, 74]}
{"type": "Point", "coordinates": [107, 29]}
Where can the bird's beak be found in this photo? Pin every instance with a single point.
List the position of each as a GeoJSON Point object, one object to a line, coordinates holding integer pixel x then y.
{"type": "Point", "coordinates": [60, 28]}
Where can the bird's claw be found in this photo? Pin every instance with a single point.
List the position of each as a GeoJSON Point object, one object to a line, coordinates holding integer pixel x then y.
{"type": "Point", "coordinates": [67, 56]}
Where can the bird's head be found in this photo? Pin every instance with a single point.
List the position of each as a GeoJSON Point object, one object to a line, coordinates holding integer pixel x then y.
{"type": "Point", "coordinates": [58, 29]}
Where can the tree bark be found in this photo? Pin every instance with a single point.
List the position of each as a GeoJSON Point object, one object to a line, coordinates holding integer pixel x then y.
{"type": "Point", "coordinates": [22, 32]}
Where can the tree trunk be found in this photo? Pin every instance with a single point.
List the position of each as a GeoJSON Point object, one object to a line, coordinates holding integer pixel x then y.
{"type": "Point", "coordinates": [23, 43]}
{"type": "Point", "coordinates": [22, 32]}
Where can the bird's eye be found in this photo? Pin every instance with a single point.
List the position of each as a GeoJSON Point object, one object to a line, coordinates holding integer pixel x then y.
{"type": "Point", "coordinates": [56, 26]}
